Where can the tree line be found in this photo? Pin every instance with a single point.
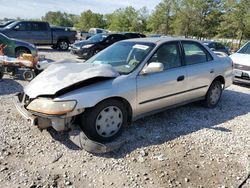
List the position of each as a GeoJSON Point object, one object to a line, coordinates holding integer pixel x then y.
{"type": "Point", "coordinates": [196, 18]}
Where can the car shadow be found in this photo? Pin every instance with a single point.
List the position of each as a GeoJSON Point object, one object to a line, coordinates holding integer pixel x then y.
{"type": "Point", "coordinates": [49, 49]}
{"type": "Point", "coordinates": [242, 84]}
{"type": "Point", "coordinates": [9, 86]}
{"type": "Point", "coordinates": [171, 124]}
{"type": "Point", "coordinates": [63, 138]}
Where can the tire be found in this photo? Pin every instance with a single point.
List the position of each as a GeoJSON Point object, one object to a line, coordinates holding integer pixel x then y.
{"type": "Point", "coordinates": [28, 75]}
{"type": "Point", "coordinates": [105, 121]}
{"type": "Point", "coordinates": [20, 51]}
{"type": "Point", "coordinates": [1, 73]}
{"type": "Point", "coordinates": [63, 45]}
{"type": "Point", "coordinates": [213, 95]}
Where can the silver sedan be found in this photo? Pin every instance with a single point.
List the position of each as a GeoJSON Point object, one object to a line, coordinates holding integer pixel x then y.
{"type": "Point", "coordinates": [128, 80]}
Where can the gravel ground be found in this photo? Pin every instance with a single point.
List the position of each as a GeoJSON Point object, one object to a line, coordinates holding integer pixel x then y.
{"type": "Point", "coordinates": [189, 146]}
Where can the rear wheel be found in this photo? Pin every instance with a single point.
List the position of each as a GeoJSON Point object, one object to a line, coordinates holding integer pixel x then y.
{"type": "Point", "coordinates": [105, 121]}
{"type": "Point", "coordinates": [213, 95]}
{"type": "Point", "coordinates": [63, 45]}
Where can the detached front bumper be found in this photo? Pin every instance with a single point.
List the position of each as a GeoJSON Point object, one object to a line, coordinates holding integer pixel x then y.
{"type": "Point", "coordinates": [25, 113]}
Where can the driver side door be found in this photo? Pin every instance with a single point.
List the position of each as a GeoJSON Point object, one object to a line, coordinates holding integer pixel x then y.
{"type": "Point", "coordinates": [161, 89]}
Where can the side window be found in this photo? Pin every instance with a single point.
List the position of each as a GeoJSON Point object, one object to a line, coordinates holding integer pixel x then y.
{"type": "Point", "coordinates": [21, 27]}
{"type": "Point", "coordinates": [194, 53]}
{"type": "Point", "coordinates": [219, 46]}
{"type": "Point", "coordinates": [168, 55]}
{"type": "Point", "coordinates": [36, 26]}
{"type": "Point", "coordinates": [114, 38]}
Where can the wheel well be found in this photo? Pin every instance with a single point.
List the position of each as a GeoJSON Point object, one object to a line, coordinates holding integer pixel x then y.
{"type": "Point", "coordinates": [63, 39]}
{"type": "Point", "coordinates": [221, 79]}
{"type": "Point", "coordinates": [21, 47]}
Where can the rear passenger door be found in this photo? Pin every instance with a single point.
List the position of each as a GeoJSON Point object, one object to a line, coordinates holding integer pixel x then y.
{"type": "Point", "coordinates": [200, 68]}
{"type": "Point", "coordinates": [40, 33]}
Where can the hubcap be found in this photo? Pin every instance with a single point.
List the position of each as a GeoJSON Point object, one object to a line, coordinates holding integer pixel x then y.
{"type": "Point", "coordinates": [63, 45]}
{"type": "Point", "coordinates": [215, 94]}
{"type": "Point", "coordinates": [109, 121]}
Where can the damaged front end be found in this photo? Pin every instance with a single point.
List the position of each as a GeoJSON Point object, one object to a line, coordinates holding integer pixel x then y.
{"type": "Point", "coordinates": [44, 112]}
{"type": "Point", "coordinates": [63, 122]}
{"type": "Point", "coordinates": [55, 97]}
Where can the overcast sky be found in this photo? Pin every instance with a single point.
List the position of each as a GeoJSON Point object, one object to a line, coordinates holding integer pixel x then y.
{"type": "Point", "coordinates": [38, 8]}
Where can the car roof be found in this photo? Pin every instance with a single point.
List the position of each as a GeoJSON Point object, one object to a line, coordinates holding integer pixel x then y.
{"type": "Point", "coordinates": [160, 40]}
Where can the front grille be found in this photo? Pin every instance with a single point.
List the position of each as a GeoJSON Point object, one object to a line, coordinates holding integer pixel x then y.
{"type": "Point", "coordinates": [241, 67]}
{"type": "Point", "coordinates": [20, 97]}
{"type": "Point", "coordinates": [24, 99]}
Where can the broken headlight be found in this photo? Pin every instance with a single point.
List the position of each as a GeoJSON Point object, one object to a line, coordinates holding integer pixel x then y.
{"type": "Point", "coordinates": [50, 107]}
{"type": "Point", "coordinates": [87, 46]}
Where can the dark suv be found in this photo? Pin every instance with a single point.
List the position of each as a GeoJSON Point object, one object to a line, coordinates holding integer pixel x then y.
{"type": "Point", "coordinates": [87, 48]}
{"type": "Point", "coordinates": [216, 46]}
{"type": "Point", "coordinates": [132, 35]}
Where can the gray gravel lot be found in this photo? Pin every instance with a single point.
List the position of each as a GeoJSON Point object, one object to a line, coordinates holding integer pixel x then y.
{"type": "Point", "coordinates": [189, 146]}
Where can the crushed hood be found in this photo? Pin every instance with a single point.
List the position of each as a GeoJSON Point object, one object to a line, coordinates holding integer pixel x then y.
{"type": "Point", "coordinates": [63, 74]}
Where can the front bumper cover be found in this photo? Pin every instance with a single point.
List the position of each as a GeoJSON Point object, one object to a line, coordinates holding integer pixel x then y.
{"type": "Point", "coordinates": [25, 113]}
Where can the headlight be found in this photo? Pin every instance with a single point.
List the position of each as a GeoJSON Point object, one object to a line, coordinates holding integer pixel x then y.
{"type": "Point", "coordinates": [48, 106]}
{"type": "Point", "coordinates": [32, 45]}
{"type": "Point", "coordinates": [87, 46]}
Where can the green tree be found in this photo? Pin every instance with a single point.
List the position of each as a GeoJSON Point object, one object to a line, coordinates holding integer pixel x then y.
{"type": "Point", "coordinates": [236, 20]}
{"type": "Point", "coordinates": [60, 19]}
{"type": "Point", "coordinates": [128, 19]}
{"type": "Point", "coordinates": [198, 18]}
{"type": "Point", "coordinates": [161, 19]}
{"type": "Point", "coordinates": [88, 19]}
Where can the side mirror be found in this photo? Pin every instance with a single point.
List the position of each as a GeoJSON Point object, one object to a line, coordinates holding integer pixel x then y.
{"type": "Point", "coordinates": [153, 67]}
{"type": "Point", "coordinates": [17, 28]}
{"type": "Point", "coordinates": [213, 49]}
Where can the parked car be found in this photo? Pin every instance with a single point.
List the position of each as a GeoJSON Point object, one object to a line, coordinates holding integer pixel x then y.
{"type": "Point", "coordinates": [4, 24]}
{"type": "Point", "coordinates": [14, 47]}
{"type": "Point", "coordinates": [87, 48]}
{"type": "Point", "coordinates": [128, 80]}
{"type": "Point", "coordinates": [132, 35]}
{"type": "Point", "coordinates": [154, 35]}
{"type": "Point", "coordinates": [216, 46]}
{"type": "Point", "coordinates": [40, 33]}
{"type": "Point", "coordinates": [241, 61]}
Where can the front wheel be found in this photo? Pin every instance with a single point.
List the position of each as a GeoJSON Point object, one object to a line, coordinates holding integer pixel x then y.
{"type": "Point", "coordinates": [105, 121]}
{"type": "Point", "coordinates": [63, 45]}
{"type": "Point", "coordinates": [213, 95]}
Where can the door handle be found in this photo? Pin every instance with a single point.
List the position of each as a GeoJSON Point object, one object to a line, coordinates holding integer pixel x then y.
{"type": "Point", "coordinates": [212, 71]}
{"type": "Point", "coordinates": [180, 78]}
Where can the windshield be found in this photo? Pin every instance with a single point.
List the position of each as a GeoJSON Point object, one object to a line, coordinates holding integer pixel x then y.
{"type": "Point", "coordinates": [123, 56]}
{"type": "Point", "coordinates": [97, 38]}
{"type": "Point", "coordinates": [10, 25]}
{"type": "Point", "coordinates": [245, 49]}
